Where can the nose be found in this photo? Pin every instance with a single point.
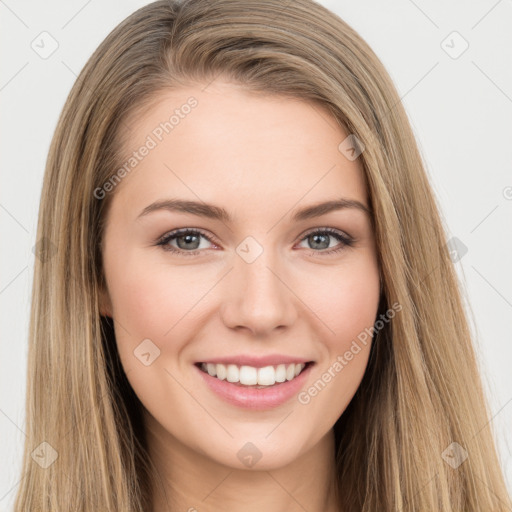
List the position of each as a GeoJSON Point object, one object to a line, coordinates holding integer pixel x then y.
{"type": "Point", "coordinates": [258, 297]}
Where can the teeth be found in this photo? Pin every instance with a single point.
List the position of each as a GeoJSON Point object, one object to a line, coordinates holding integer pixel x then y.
{"type": "Point", "coordinates": [250, 376]}
{"type": "Point", "coordinates": [220, 371]}
{"type": "Point", "coordinates": [266, 376]}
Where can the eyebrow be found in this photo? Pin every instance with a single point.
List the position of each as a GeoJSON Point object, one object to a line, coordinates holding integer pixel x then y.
{"type": "Point", "coordinates": [218, 213]}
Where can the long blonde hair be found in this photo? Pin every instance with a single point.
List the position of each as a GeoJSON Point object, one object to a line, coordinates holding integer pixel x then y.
{"type": "Point", "coordinates": [422, 390]}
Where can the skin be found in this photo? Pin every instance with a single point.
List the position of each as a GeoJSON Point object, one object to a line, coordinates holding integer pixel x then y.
{"type": "Point", "coordinates": [261, 158]}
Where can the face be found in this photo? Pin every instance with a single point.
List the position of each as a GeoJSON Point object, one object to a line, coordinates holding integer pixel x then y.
{"type": "Point", "coordinates": [214, 254]}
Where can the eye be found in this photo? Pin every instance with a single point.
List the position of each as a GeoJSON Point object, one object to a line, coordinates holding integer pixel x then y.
{"type": "Point", "coordinates": [188, 241]}
{"type": "Point", "coordinates": [319, 239]}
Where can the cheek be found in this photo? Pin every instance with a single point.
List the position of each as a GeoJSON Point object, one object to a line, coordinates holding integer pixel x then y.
{"type": "Point", "coordinates": [155, 301]}
{"type": "Point", "coordinates": [150, 298]}
{"type": "Point", "coordinates": [345, 300]}
{"type": "Point", "coordinates": [332, 386]}
{"type": "Point", "coordinates": [349, 308]}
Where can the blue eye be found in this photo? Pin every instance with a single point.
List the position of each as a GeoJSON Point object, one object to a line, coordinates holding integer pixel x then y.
{"type": "Point", "coordinates": [187, 238]}
{"type": "Point", "coordinates": [318, 237]}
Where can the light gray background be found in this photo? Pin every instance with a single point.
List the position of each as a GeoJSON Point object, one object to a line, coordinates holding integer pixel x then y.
{"type": "Point", "coordinates": [460, 109]}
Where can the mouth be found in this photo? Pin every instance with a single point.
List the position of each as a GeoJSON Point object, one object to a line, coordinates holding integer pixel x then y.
{"type": "Point", "coordinates": [245, 376]}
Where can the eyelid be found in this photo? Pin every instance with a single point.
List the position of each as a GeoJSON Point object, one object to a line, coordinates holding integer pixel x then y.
{"type": "Point", "coordinates": [177, 232]}
{"type": "Point", "coordinates": [326, 230]}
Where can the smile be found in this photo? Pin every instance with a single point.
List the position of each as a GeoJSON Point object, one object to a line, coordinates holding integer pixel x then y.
{"type": "Point", "coordinates": [251, 376]}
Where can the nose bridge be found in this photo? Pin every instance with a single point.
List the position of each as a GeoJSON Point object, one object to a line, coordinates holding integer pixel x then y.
{"type": "Point", "coordinates": [259, 282]}
{"type": "Point", "coordinates": [258, 298]}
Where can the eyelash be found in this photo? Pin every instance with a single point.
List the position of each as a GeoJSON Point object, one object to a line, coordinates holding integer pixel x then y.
{"type": "Point", "coordinates": [163, 241]}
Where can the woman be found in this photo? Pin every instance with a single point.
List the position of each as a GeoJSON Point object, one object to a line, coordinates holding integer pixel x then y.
{"type": "Point", "coordinates": [258, 370]}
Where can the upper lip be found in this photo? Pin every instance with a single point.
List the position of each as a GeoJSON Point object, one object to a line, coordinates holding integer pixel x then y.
{"type": "Point", "coordinates": [257, 361]}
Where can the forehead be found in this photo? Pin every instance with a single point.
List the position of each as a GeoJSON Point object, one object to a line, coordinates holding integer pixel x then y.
{"type": "Point", "coordinates": [225, 144]}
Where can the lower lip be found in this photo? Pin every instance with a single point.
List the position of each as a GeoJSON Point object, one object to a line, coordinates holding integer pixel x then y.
{"type": "Point", "coordinates": [254, 398]}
